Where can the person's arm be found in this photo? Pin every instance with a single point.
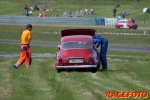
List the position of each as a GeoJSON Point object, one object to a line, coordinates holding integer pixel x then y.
{"type": "Point", "coordinates": [29, 40]}
{"type": "Point", "coordinates": [96, 42]}
{"type": "Point", "coordinates": [29, 37]}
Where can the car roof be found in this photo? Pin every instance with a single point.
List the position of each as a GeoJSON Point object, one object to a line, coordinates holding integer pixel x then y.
{"type": "Point", "coordinates": [76, 38]}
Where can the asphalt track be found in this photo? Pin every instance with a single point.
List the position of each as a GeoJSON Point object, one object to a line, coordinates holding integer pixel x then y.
{"type": "Point", "coordinates": [121, 48]}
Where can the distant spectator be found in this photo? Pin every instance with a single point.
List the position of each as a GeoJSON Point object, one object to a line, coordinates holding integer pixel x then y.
{"type": "Point", "coordinates": [25, 7]}
{"type": "Point", "coordinates": [44, 15]}
{"type": "Point", "coordinates": [123, 15]}
{"type": "Point", "coordinates": [92, 10]}
{"type": "Point", "coordinates": [36, 7]}
{"type": "Point", "coordinates": [119, 17]}
{"type": "Point", "coordinates": [78, 10]}
{"type": "Point", "coordinates": [46, 9]}
{"type": "Point", "coordinates": [26, 13]}
{"type": "Point", "coordinates": [56, 15]}
{"type": "Point", "coordinates": [123, 12]}
{"type": "Point", "coordinates": [131, 20]}
{"type": "Point", "coordinates": [114, 12]}
{"type": "Point", "coordinates": [86, 11]}
{"type": "Point", "coordinates": [30, 12]}
{"type": "Point", "coordinates": [31, 8]}
{"type": "Point", "coordinates": [39, 15]}
{"type": "Point", "coordinates": [57, 9]}
{"type": "Point", "coordinates": [69, 14]}
{"type": "Point", "coordinates": [51, 9]}
{"type": "Point", "coordinates": [117, 6]}
{"type": "Point", "coordinates": [65, 14]}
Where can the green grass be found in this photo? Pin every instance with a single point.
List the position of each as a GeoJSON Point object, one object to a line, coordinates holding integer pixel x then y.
{"type": "Point", "coordinates": [43, 82]}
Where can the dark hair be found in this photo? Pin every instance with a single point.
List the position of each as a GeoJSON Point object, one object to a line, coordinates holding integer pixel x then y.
{"type": "Point", "coordinates": [29, 26]}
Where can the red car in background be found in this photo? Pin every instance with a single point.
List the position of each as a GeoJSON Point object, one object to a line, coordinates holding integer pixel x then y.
{"type": "Point", "coordinates": [77, 51]}
{"type": "Point", "coordinates": [125, 23]}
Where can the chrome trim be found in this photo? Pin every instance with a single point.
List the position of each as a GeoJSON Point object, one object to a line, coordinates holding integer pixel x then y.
{"type": "Point", "coordinates": [76, 66]}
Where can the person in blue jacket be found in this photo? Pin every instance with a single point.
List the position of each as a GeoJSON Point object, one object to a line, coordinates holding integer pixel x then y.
{"type": "Point", "coordinates": [98, 40]}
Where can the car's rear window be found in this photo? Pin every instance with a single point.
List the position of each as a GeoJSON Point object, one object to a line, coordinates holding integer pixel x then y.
{"type": "Point", "coordinates": [76, 45]}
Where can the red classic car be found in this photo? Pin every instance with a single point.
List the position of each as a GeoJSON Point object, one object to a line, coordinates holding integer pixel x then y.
{"type": "Point", "coordinates": [125, 23]}
{"type": "Point", "coordinates": [77, 51]}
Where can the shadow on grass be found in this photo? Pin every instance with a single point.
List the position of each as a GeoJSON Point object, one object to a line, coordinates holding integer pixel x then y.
{"type": "Point", "coordinates": [77, 70]}
{"type": "Point", "coordinates": [87, 70]}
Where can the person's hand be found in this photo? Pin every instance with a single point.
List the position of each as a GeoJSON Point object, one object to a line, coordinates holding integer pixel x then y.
{"type": "Point", "coordinates": [95, 48]}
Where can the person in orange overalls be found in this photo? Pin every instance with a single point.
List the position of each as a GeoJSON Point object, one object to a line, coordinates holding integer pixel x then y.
{"type": "Point", "coordinates": [25, 54]}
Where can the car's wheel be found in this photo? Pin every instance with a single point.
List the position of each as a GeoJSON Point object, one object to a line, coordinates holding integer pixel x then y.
{"type": "Point", "coordinates": [58, 70]}
{"type": "Point", "coordinates": [130, 27]}
{"type": "Point", "coordinates": [93, 70]}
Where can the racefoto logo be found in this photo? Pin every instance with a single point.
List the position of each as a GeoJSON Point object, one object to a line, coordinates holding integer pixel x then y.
{"type": "Point", "coordinates": [127, 94]}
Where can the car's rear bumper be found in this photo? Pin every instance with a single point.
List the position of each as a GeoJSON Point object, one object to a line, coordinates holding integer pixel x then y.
{"type": "Point", "coordinates": [76, 66]}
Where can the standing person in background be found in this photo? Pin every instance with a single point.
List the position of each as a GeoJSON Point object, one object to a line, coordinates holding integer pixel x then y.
{"type": "Point", "coordinates": [114, 12]}
{"type": "Point", "coordinates": [98, 40]}
{"type": "Point", "coordinates": [44, 15]}
{"type": "Point", "coordinates": [123, 16]}
{"type": "Point", "coordinates": [131, 20]}
{"type": "Point", "coordinates": [25, 54]}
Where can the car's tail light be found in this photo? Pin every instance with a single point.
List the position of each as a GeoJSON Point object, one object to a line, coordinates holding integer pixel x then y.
{"type": "Point", "coordinates": [91, 60]}
{"type": "Point", "coordinates": [60, 60]}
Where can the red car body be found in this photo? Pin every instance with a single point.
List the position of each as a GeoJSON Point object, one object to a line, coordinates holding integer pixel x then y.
{"type": "Point", "coordinates": [125, 23]}
{"type": "Point", "coordinates": [77, 51]}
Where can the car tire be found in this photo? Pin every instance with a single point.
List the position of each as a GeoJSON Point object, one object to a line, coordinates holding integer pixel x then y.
{"type": "Point", "coordinates": [94, 70]}
{"type": "Point", "coordinates": [58, 70]}
{"type": "Point", "coordinates": [130, 27]}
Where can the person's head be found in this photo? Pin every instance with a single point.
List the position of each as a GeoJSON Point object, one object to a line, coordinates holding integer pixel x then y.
{"type": "Point", "coordinates": [29, 27]}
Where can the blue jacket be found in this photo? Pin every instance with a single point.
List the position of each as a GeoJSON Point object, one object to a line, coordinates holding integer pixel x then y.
{"type": "Point", "coordinates": [97, 40]}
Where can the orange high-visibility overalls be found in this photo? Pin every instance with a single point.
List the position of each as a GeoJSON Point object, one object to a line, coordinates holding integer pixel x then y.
{"type": "Point", "coordinates": [25, 54]}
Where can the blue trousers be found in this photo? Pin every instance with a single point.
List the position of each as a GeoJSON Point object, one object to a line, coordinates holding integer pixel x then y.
{"type": "Point", "coordinates": [103, 53]}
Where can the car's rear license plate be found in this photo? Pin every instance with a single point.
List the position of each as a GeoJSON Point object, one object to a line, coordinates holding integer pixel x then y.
{"type": "Point", "coordinates": [75, 60]}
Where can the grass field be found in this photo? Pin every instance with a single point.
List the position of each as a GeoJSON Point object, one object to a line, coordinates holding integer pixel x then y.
{"type": "Point", "coordinates": [128, 71]}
